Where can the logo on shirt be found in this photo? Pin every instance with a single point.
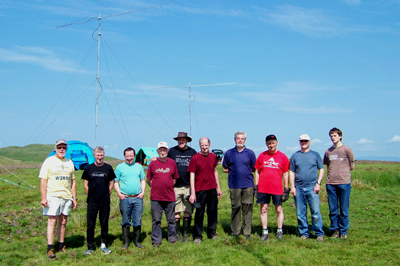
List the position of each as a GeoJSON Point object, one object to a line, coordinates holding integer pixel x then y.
{"type": "Point", "coordinates": [62, 178]}
{"type": "Point", "coordinates": [182, 160]}
{"type": "Point", "coordinates": [335, 157]}
{"type": "Point", "coordinates": [162, 170]}
{"type": "Point", "coordinates": [98, 174]}
{"type": "Point", "coordinates": [271, 163]}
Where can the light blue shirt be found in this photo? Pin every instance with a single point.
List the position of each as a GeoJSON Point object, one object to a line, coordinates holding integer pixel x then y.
{"type": "Point", "coordinates": [129, 176]}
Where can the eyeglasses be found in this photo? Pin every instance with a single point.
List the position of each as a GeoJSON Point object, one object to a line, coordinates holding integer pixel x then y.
{"type": "Point", "coordinates": [304, 140]}
{"type": "Point", "coordinates": [61, 148]}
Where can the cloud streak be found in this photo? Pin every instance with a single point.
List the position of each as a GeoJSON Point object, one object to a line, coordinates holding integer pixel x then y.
{"type": "Point", "coordinates": [396, 138]}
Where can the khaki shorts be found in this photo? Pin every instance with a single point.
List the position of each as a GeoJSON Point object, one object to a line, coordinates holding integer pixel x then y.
{"type": "Point", "coordinates": [57, 206]}
{"type": "Point", "coordinates": [182, 205]}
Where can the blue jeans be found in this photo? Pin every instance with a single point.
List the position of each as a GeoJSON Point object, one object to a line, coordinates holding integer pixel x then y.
{"type": "Point", "coordinates": [131, 208]}
{"type": "Point", "coordinates": [339, 197]}
{"type": "Point", "coordinates": [306, 195]}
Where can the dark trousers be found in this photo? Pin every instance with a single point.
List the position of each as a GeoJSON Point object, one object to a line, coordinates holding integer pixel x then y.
{"type": "Point", "coordinates": [206, 198]}
{"type": "Point", "coordinates": [94, 208]}
{"type": "Point", "coordinates": [157, 208]}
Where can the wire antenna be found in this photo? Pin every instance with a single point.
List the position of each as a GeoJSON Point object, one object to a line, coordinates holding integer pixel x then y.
{"type": "Point", "coordinates": [190, 95]}
{"type": "Point", "coordinates": [98, 50]}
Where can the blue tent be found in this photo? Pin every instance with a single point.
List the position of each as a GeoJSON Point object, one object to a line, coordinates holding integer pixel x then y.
{"type": "Point", "coordinates": [79, 152]}
{"type": "Point", "coordinates": [144, 155]}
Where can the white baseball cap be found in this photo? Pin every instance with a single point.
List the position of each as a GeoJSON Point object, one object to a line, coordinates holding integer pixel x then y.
{"type": "Point", "coordinates": [162, 144]}
{"type": "Point", "coordinates": [304, 137]}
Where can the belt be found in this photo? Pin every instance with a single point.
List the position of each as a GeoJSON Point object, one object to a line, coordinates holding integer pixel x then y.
{"type": "Point", "coordinates": [130, 196]}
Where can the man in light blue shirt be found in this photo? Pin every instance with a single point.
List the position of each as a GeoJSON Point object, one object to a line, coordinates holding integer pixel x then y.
{"type": "Point", "coordinates": [130, 186]}
{"type": "Point", "coordinates": [305, 182]}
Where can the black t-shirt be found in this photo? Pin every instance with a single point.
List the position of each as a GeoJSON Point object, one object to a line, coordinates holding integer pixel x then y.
{"type": "Point", "coordinates": [182, 159]}
{"type": "Point", "coordinates": [98, 181]}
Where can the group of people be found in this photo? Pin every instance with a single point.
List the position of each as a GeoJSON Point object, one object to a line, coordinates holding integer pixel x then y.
{"type": "Point", "coordinates": [182, 180]}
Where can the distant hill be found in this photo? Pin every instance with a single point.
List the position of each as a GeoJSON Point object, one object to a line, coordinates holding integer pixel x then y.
{"type": "Point", "coordinates": [29, 154]}
{"type": "Point", "coordinates": [379, 158]}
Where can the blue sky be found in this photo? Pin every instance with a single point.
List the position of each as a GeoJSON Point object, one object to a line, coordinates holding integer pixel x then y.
{"type": "Point", "coordinates": [299, 67]}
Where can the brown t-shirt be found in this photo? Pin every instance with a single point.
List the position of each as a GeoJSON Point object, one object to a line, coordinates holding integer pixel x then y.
{"type": "Point", "coordinates": [338, 161]}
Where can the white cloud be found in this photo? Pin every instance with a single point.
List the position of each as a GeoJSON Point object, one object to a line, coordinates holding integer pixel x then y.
{"type": "Point", "coordinates": [295, 148]}
{"type": "Point", "coordinates": [316, 141]}
{"type": "Point", "coordinates": [37, 56]}
{"type": "Point", "coordinates": [395, 139]}
{"type": "Point", "coordinates": [364, 141]}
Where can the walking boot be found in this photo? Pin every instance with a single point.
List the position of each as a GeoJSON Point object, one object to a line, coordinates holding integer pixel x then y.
{"type": "Point", "coordinates": [186, 228]}
{"type": "Point", "coordinates": [125, 237]}
{"type": "Point", "coordinates": [136, 236]}
{"type": "Point", "coordinates": [178, 229]}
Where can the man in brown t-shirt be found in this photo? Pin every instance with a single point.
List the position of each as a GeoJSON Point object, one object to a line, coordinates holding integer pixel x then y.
{"type": "Point", "coordinates": [339, 160]}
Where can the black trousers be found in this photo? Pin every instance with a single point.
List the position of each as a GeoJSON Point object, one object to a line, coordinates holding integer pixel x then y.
{"type": "Point", "coordinates": [94, 208]}
{"type": "Point", "coordinates": [206, 198]}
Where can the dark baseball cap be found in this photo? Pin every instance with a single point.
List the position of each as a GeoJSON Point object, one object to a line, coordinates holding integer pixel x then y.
{"type": "Point", "coordinates": [269, 137]}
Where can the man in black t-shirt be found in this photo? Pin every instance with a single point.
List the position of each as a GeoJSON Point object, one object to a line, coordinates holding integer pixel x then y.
{"type": "Point", "coordinates": [98, 183]}
{"type": "Point", "coordinates": [182, 154]}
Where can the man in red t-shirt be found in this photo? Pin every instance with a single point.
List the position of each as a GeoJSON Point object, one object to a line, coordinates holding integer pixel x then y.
{"type": "Point", "coordinates": [271, 166]}
{"type": "Point", "coordinates": [205, 189]}
{"type": "Point", "coordinates": [161, 177]}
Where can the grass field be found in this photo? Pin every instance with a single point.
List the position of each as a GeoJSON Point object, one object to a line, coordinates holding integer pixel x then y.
{"type": "Point", "coordinates": [374, 235]}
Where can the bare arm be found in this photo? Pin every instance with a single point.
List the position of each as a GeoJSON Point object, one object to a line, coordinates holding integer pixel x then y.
{"type": "Point", "coordinates": [111, 185]}
{"type": "Point", "coordinates": [43, 192]}
{"type": "Point", "coordinates": [292, 186]}
{"type": "Point", "coordinates": [116, 188]}
{"type": "Point", "coordinates": [143, 188]}
{"type": "Point", "coordinates": [73, 188]}
{"type": "Point", "coordinates": [352, 166]}
{"type": "Point", "coordinates": [225, 170]}
{"type": "Point", "coordinates": [86, 186]}
{"type": "Point", "coordinates": [317, 187]}
{"type": "Point", "coordinates": [256, 177]}
{"type": "Point", "coordinates": [219, 191]}
{"type": "Point", "coordinates": [285, 179]}
{"type": "Point", "coordinates": [192, 190]}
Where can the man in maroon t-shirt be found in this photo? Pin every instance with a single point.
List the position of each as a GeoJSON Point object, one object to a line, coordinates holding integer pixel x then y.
{"type": "Point", "coordinates": [161, 177]}
{"type": "Point", "coordinates": [205, 189]}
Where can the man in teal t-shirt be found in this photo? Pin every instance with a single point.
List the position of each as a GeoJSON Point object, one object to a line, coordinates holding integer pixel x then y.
{"type": "Point", "coordinates": [130, 187]}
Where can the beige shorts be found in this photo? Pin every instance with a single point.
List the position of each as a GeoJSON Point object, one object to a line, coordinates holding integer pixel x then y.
{"type": "Point", "coordinates": [57, 206]}
{"type": "Point", "coordinates": [182, 205]}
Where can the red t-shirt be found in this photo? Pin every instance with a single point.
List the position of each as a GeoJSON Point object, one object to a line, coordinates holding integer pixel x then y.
{"type": "Point", "coordinates": [203, 169]}
{"type": "Point", "coordinates": [271, 167]}
{"type": "Point", "coordinates": [162, 175]}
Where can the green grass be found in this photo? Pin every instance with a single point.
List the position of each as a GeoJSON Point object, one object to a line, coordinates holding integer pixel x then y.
{"type": "Point", "coordinates": [374, 234]}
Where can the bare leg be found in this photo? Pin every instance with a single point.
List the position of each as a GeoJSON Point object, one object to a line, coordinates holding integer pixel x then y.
{"type": "Point", "coordinates": [279, 215]}
{"type": "Point", "coordinates": [51, 225]}
{"type": "Point", "coordinates": [264, 215]}
{"type": "Point", "coordinates": [62, 226]}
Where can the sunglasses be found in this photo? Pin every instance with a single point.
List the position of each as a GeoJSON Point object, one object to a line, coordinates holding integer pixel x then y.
{"type": "Point", "coordinates": [304, 141]}
{"type": "Point", "coordinates": [61, 148]}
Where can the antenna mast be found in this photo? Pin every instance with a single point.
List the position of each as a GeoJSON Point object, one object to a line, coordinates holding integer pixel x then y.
{"type": "Point", "coordinates": [190, 95]}
{"type": "Point", "coordinates": [98, 51]}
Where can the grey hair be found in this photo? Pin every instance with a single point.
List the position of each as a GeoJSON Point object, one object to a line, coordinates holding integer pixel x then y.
{"type": "Point", "coordinates": [98, 149]}
{"type": "Point", "coordinates": [240, 133]}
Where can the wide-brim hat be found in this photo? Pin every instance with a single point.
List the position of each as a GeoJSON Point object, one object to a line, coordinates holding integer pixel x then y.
{"type": "Point", "coordinates": [183, 135]}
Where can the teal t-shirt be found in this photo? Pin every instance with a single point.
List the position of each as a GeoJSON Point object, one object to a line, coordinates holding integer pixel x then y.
{"type": "Point", "coordinates": [129, 176]}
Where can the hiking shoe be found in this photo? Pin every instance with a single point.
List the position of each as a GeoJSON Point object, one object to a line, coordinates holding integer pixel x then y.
{"type": "Point", "coordinates": [197, 241]}
{"type": "Point", "coordinates": [214, 237]}
{"type": "Point", "coordinates": [335, 234]}
{"type": "Point", "coordinates": [156, 245]}
{"type": "Point", "coordinates": [343, 237]}
{"type": "Point", "coordinates": [248, 237]}
{"type": "Point", "coordinates": [320, 238]}
{"type": "Point", "coordinates": [51, 254]}
{"type": "Point", "coordinates": [264, 237]}
{"type": "Point", "coordinates": [89, 252]}
{"type": "Point", "coordinates": [105, 251]}
{"type": "Point", "coordinates": [138, 245]}
{"type": "Point", "coordinates": [63, 249]}
{"type": "Point", "coordinates": [303, 237]}
{"type": "Point", "coordinates": [279, 235]}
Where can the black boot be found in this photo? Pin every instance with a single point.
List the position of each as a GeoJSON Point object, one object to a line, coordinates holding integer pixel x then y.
{"type": "Point", "coordinates": [186, 228]}
{"type": "Point", "coordinates": [125, 237]}
{"type": "Point", "coordinates": [178, 229]}
{"type": "Point", "coordinates": [136, 236]}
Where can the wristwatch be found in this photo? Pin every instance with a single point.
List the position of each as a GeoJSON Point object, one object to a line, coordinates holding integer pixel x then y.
{"type": "Point", "coordinates": [75, 199]}
{"type": "Point", "coordinates": [319, 183]}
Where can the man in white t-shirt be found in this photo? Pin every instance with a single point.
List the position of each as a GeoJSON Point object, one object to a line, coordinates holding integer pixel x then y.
{"type": "Point", "coordinates": [58, 194]}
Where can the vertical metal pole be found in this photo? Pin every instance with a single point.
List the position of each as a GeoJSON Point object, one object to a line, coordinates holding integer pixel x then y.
{"type": "Point", "coordinates": [97, 78]}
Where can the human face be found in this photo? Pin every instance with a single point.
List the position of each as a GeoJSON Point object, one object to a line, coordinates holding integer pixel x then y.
{"type": "Point", "coordinates": [129, 157]}
{"type": "Point", "coordinates": [99, 156]}
{"type": "Point", "coordinates": [240, 140]}
{"type": "Point", "coordinates": [204, 146]}
{"type": "Point", "coordinates": [61, 150]}
{"type": "Point", "coordinates": [182, 143]}
{"type": "Point", "coordinates": [272, 145]}
{"type": "Point", "coordinates": [162, 153]}
{"type": "Point", "coordinates": [304, 144]}
{"type": "Point", "coordinates": [335, 138]}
